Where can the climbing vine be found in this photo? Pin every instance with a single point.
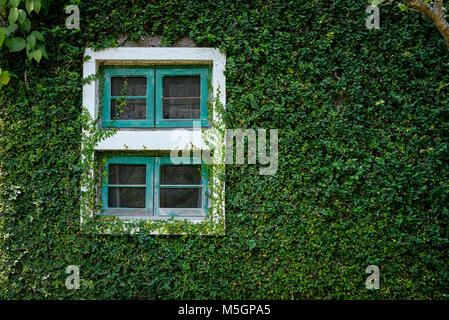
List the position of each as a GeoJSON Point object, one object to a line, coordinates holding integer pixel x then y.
{"type": "Point", "coordinates": [363, 146]}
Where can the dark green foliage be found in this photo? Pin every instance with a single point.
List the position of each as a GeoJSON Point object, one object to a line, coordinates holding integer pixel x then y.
{"type": "Point", "coordinates": [363, 178]}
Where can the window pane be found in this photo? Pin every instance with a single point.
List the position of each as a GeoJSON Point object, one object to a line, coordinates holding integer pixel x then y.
{"type": "Point", "coordinates": [181, 98]}
{"type": "Point", "coordinates": [126, 198]}
{"type": "Point", "coordinates": [135, 109]}
{"type": "Point", "coordinates": [137, 86]}
{"type": "Point", "coordinates": [127, 174]}
{"type": "Point", "coordinates": [180, 198]}
{"type": "Point", "coordinates": [181, 174]}
{"type": "Point", "coordinates": [185, 86]}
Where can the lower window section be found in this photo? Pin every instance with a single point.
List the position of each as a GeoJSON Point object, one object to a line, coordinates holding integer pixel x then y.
{"type": "Point", "coordinates": [126, 197]}
{"type": "Point", "coordinates": [154, 187]}
{"type": "Point", "coordinates": [180, 198]}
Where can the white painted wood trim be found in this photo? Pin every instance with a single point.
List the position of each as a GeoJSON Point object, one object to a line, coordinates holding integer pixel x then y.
{"type": "Point", "coordinates": [156, 139]}
{"type": "Point", "coordinates": [148, 138]}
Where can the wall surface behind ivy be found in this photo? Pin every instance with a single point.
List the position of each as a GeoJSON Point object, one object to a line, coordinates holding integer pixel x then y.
{"type": "Point", "coordinates": [363, 149]}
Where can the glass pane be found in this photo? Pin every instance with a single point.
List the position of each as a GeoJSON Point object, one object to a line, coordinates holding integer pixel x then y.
{"type": "Point", "coordinates": [181, 98]}
{"type": "Point", "coordinates": [180, 198]}
{"type": "Point", "coordinates": [127, 174]}
{"type": "Point", "coordinates": [184, 174]}
{"type": "Point", "coordinates": [134, 109]}
{"type": "Point", "coordinates": [126, 198]}
{"type": "Point", "coordinates": [137, 86]}
{"type": "Point", "coordinates": [185, 86]}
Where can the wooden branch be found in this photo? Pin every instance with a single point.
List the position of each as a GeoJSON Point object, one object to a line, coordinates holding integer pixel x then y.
{"type": "Point", "coordinates": [435, 13]}
{"type": "Point", "coordinates": [438, 5]}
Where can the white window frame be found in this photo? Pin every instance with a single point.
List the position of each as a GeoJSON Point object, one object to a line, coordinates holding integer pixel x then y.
{"type": "Point", "coordinates": [152, 139]}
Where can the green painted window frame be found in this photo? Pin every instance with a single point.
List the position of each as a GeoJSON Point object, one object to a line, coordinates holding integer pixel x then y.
{"type": "Point", "coordinates": [149, 187]}
{"type": "Point", "coordinates": [152, 189]}
{"type": "Point", "coordinates": [149, 97]}
{"type": "Point", "coordinates": [154, 94]}
{"type": "Point", "coordinates": [163, 72]}
{"type": "Point", "coordinates": [170, 212]}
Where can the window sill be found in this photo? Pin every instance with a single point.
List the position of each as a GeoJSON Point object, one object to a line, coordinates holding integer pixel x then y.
{"type": "Point", "coordinates": [165, 136]}
{"type": "Point", "coordinates": [153, 225]}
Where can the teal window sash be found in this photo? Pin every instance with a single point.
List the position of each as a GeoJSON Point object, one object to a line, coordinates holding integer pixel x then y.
{"type": "Point", "coordinates": [152, 188]}
{"type": "Point", "coordinates": [149, 187]}
{"type": "Point", "coordinates": [129, 72]}
{"type": "Point", "coordinates": [204, 93]}
{"type": "Point", "coordinates": [173, 212]}
{"type": "Point", "coordinates": [154, 116]}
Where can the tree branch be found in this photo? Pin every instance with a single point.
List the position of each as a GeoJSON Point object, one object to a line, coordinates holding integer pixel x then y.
{"type": "Point", "coordinates": [435, 13]}
{"type": "Point", "coordinates": [438, 5]}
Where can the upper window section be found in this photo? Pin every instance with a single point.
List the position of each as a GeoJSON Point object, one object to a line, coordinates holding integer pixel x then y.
{"type": "Point", "coordinates": [155, 97]}
{"type": "Point", "coordinates": [181, 96]}
{"type": "Point", "coordinates": [128, 97]}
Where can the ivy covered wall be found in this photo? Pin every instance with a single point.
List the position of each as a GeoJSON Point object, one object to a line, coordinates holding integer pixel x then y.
{"type": "Point", "coordinates": [363, 151]}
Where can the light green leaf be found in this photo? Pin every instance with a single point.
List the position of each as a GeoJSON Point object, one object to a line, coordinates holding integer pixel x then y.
{"type": "Point", "coordinates": [38, 35]}
{"type": "Point", "coordinates": [13, 15]}
{"type": "Point", "coordinates": [41, 47]}
{"type": "Point", "coordinates": [26, 25]}
{"type": "Point", "coordinates": [31, 40]}
{"type": "Point", "coordinates": [22, 16]}
{"type": "Point", "coordinates": [375, 3]}
{"type": "Point", "coordinates": [29, 5]}
{"type": "Point", "coordinates": [403, 7]}
{"type": "Point", "coordinates": [2, 35]}
{"type": "Point", "coordinates": [37, 54]}
{"type": "Point", "coordinates": [12, 27]}
{"type": "Point", "coordinates": [30, 54]}
{"type": "Point", "coordinates": [37, 5]}
{"type": "Point", "coordinates": [380, 102]}
{"type": "Point", "coordinates": [4, 77]}
{"type": "Point", "coordinates": [14, 3]}
{"type": "Point", "coordinates": [16, 44]}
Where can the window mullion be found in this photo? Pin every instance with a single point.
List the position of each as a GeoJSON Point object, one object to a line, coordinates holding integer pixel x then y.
{"type": "Point", "coordinates": [128, 97]}
{"type": "Point", "coordinates": [149, 187]}
{"type": "Point", "coordinates": [156, 193]}
{"type": "Point", "coordinates": [153, 86]}
{"type": "Point", "coordinates": [127, 185]}
{"type": "Point", "coordinates": [180, 186]}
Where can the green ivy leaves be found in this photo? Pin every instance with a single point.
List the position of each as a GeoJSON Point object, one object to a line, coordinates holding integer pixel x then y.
{"type": "Point", "coordinates": [34, 49]}
{"type": "Point", "coordinates": [14, 3]}
{"type": "Point", "coordinates": [363, 175]}
{"type": "Point", "coordinates": [12, 27]}
{"type": "Point", "coordinates": [13, 15]}
{"type": "Point", "coordinates": [376, 2]}
{"type": "Point", "coordinates": [2, 35]}
{"type": "Point", "coordinates": [38, 35]}
{"type": "Point", "coordinates": [31, 40]}
{"type": "Point", "coordinates": [21, 16]}
{"type": "Point", "coordinates": [33, 5]}
{"type": "Point", "coordinates": [37, 55]}
{"type": "Point", "coordinates": [18, 20]}
{"type": "Point", "coordinates": [403, 7]}
{"type": "Point", "coordinates": [4, 77]}
{"type": "Point", "coordinates": [15, 44]}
